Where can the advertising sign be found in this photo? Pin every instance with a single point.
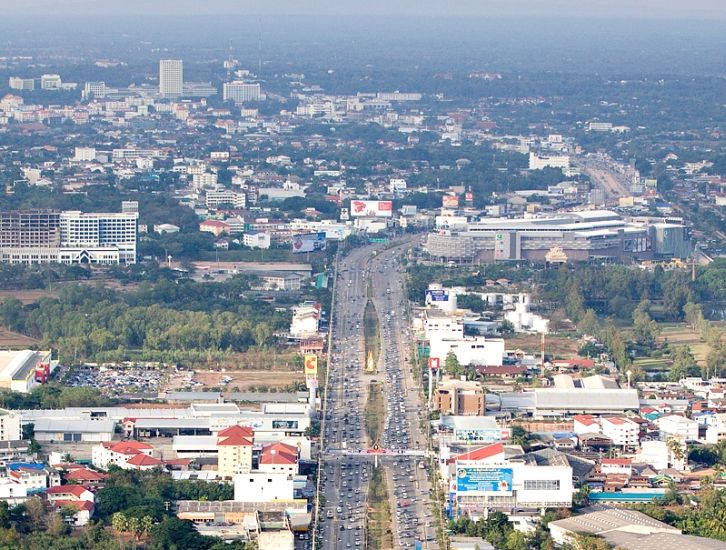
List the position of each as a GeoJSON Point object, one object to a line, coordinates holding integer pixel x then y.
{"type": "Point", "coordinates": [311, 365]}
{"type": "Point", "coordinates": [434, 363]}
{"type": "Point", "coordinates": [469, 197]}
{"type": "Point", "coordinates": [450, 201]}
{"type": "Point", "coordinates": [437, 296]}
{"type": "Point", "coordinates": [371, 209]}
{"type": "Point", "coordinates": [484, 480]}
{"type": "Point", "coordinates": [344, 215]}
{"type": "Point", "coordinates": [312, 242]}
{"type": "Point", "coordinates": [478, 435]}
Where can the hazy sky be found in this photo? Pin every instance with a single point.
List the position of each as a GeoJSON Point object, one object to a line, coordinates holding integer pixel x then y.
{"type": "Point", "coordinates": [692, 9]}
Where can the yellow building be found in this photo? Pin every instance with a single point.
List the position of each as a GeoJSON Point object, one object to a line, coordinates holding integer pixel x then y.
{"type": "Point", "coordinates": [234, 450]}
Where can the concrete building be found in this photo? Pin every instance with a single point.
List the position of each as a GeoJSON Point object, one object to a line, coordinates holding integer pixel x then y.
{"type": "Point", "coordinates": [263, 486]}
{"type": "Point", "coordinates": [622, 431]}
{"type": "Point", "coordinates": [279, 458]}
{"type": "Point", "coordinates": [486, 479]}
{"type": "Point", "coordinates": [224, 198]}
{"type": "Point", "coordinates": [234, 451]}
{"type": "Point", "coordinates": [469, 350]}
{"type": "Point", "coordinates": [576, 236]}
{"type": "Point", "coordinates": [22, 370]}
{"type": "Point", "coordinates": [538, 162]}
{"type": "Point", "coordinates": [9, 426]}
{"type": "Point", "coordinates": [69, 237]}
{"type": "Point", "coordinates": [459, 398]}
{"type": "Point", "coordinates": [21, 84]}
{"type": "Point", "coordinates": [241, 92]}
{"type": "Point", "coordinates": [680, 427]}
{"type": "Point", "coordinates": [51, 82]}
{"type": "Point", "coordinates": [118, 454]}
{"type": "Point", "coordinates": [171, 78]}
{"type": "Point", "coordinates": [256, 240]}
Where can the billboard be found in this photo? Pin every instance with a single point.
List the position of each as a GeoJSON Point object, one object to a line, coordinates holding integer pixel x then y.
{"type": "Point", "coordinates": [311, 366]}
{"type": "Point", "coordinates": [437, 296]}
{"type": "Point", "coordinates": [450, 201]}
{"type": "Point", "coordinates": [434, 363]}
{"type": "Point", "coordinates": [469, 197]}
{"type": "Point", "coordinates": [371, 209]}
{"type": "Point", "coordinates": [311, 242]}
{"type": "Point", "coordinates": [483, 480]}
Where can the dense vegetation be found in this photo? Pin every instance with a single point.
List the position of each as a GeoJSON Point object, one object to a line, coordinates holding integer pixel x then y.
{"type": "Point", "coordinates": [132, 510]}
{"type": "Point", "coordinates": [171, 321]}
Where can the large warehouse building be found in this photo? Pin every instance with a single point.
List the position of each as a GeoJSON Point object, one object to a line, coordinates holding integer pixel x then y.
{"type": "Point", "coordinates": [576, 236]}
{"type": "Point", "coordinates": [21, 370]}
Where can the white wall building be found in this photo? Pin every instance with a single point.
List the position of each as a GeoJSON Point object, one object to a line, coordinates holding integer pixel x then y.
{"type": "Point", "coordinates": [538, 162]}
{"type": "Point", "coordinates": [256, 240]}
{"type": "Point", "coordinates": [524, 320]}
{"type": "Point", "coordinates": [622, 431]}
{"type": "Point", "coordinates": [241, 92]}
{"type": "Point", "coordinates": [171, 78]}
{"type": "Point", "coordinates": [263, 487]}
{"type": "Point", "coordinates": [9, 426]}
{"type": "Point", "coordinates": [50, 82]}
{"type": "Point", "coordinates": [680, 427]}
{"type": "Point", "coordinates": [470, 350]}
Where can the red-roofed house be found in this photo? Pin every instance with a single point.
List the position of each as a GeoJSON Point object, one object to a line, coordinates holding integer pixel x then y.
{"type": "Point", "coordinates": [85, 477]}
{"type": "Point", "coordinates": [72, 496]}
{"type": "Point", "coordinates": [118, 453]}
{"type": "Point", "coordinates": [142, 461]}
{"type": "Point", "coordinates": [234, 450]}
{"type": "Point", "coordinates": [279, 457]}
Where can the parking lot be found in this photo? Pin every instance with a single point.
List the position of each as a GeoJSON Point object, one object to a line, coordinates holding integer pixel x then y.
{"type": "Point", "coordinates": [117, 379]}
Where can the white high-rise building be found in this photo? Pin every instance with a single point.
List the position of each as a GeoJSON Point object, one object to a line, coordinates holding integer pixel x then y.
{"type": "Point", "coordinates": [115, 232]}
{"type": "Point", "coordinates": [171, 78]}
{"type": "Point", "coordinates": [94, 90]}
{"type": "Point", "coordinates": [241, 92]}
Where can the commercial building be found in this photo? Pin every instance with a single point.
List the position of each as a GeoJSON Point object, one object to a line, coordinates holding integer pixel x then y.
{"type": "Point", "coordinates": [241, 92]}
{"type": "Point", "coordinates": [171, 78]}
{"type": "Point", "coordinates": [70, 237]}
{"type": "Point", "coordinates": [599, 235]}
{"type": "Point", "coordinates": [459, 398]}
{"type": "Point", "coordinates": [22, 370]}
{"type": "Point", "coordinates": [680, 427]}
{"type": "Point", "coordinates": [486, 479]}
{"type": "Point", "coordinates": [94, 90]}
{"type": "Point", "coordinates": [263, 487]}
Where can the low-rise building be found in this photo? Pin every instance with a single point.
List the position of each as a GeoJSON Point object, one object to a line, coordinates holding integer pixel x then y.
{"type": "Point", "coordinates": [459, 398]}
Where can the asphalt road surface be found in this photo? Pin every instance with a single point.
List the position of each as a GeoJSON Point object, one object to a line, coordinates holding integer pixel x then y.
{"type": "Point", "coordinates": [347, 467]}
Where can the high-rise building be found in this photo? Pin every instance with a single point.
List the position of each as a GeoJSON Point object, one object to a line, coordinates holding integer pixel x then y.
{"type": "Point", "coordinates": [171, 78]}
{"type": "Point", "coordinates": [241, 92]}
{"type": "Point", "coordinates": [46, 236]}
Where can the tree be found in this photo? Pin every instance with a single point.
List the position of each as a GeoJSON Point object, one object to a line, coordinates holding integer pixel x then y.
{"type": "Point", "coordinates": [4, 515]}
{"type": "Point", "coordinates": [35, 513]}
{"type": "Point", "coordinates": [645, 330]}
{"type": "Point", "coordinates": [262, 334]}
{"type": "Point", "coordinates": [452, 365]}
{"type": "Point", "coordinates": [120, 522]}
{"type": "Point", "coordinates": [589, 324]}
{"type": "Point", "coordinates": [684, 364]}
{"type": "Point", "coordinates": [574, 301]}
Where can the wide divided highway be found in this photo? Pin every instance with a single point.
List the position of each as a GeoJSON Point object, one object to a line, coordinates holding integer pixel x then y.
{"type": "Point", "coordinates": [346, 464]}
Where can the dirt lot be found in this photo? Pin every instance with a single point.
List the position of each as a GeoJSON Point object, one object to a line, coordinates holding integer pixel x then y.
{"type": "Point", "coordinates": [242, 379]}
{"type": "Point", "coordinates": [29, 296]}
{"type": "Point", "coordinates": [9, 339]}
{"type": "Point", "coordinates": [558, 346]}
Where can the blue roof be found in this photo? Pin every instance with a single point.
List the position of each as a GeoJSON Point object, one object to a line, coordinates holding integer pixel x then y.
{"type": "Point", "coordinates": [26, 466]}
{"type": "Point", "coordinates": [626, 497]}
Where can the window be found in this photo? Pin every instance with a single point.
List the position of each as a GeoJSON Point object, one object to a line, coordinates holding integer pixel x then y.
{"type": "Point", "coordinates": [541, 484]}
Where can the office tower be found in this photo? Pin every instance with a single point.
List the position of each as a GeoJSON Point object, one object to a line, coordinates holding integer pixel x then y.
{"type": "Point", "coordinates": [94, 90]}
{"type": "Point", "coordinates": [171, 78]}
{"type": "Point", "coordinates": [241, 92]}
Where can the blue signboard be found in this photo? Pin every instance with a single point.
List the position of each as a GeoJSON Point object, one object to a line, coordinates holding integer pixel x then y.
{"type": "Point", "coordinates": [484, 480]}
{"type": "Point", "coordinates": [437, 296]}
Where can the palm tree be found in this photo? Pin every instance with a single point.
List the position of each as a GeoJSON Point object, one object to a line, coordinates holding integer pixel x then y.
{"type": "Point", "coordinates": [119, 522]}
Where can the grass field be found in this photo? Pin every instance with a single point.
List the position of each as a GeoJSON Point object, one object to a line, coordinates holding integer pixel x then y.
{"type": "Point", "coordinates": [682, 334]}
{"type": "Point", "coordinates": [371, 333]}
{"type": "Point", "coordinates": [380, 535]}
